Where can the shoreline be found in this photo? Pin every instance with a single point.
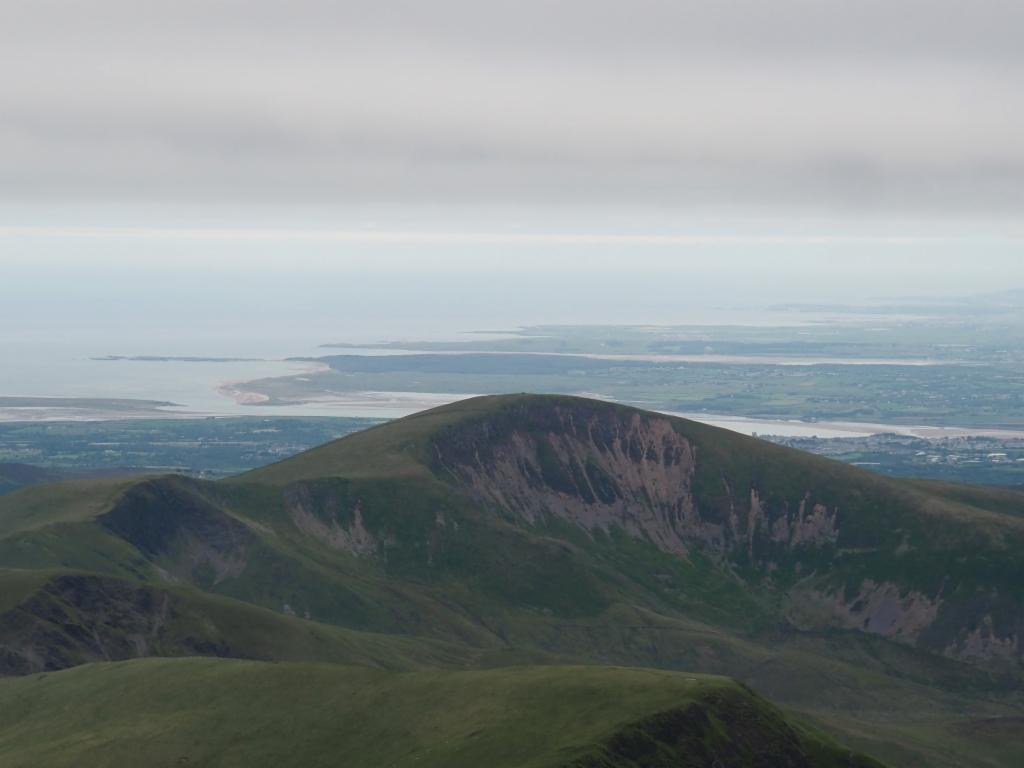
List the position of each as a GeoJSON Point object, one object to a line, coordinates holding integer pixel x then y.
{"type": "Point", "coordinates": [827, 429]}
{"type": "Point", "coordinates": [697, 359]}
{"type": "Point", "coordinates": [233, 389]}
{"type": "Point", "coordinates": [397, 404]}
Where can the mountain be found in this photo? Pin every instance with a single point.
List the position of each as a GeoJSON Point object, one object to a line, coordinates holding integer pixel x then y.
{"type": "Point", "coordinates": [541, 530]}
{"type": "Point", "coordinates": [839, 547]}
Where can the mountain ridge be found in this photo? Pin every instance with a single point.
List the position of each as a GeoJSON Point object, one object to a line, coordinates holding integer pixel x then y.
{"type": "Point", "coordinates": [544, 528]}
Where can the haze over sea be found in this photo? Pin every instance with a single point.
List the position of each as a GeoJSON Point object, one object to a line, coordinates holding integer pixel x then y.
{"type": "Point", "coordinates": [189, 292]}
{"type": "Point", "coordinates": [74, 367]}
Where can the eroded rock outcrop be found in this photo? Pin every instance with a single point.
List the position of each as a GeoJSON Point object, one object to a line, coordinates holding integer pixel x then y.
{"type": "Point", "coordinates": [880, 609]}
{"type": "Point", "coordinates": [602, 469]}
{"type": "Point", "coordinates": [332, 520]}
{"type": "Point", "coordinates": [984, 643]}
{"type": "Point", "coordinates": [628, 472]}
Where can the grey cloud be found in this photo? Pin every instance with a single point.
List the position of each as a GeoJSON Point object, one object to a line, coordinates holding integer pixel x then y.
{"type": "Point", "coordinates": [906, 106]}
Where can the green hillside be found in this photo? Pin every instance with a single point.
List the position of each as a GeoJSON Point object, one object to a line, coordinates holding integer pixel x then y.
{"type": "Point", "coordinates": [535, 529]}
{"type": "Point", "coordinates": [680, 510]}
{"type": "Point", "coordinates": [231, 713]}
{"type": "Point", "coordinates": [54, 620]}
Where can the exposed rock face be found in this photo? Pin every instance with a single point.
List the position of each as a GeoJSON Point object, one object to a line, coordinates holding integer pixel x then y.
{"type": "Point", "coordinates": [815, 525]}
{"type": "Point", "coordinates": [880, 609]}
{"type": "Point", "coordinates": [599, 468]}
{"type": "Point", "coordinates": [593, 470]}
{"type": "Point", "coordinates": [984, 643]}
{"type": "Point", "coordinates": [329, 518]}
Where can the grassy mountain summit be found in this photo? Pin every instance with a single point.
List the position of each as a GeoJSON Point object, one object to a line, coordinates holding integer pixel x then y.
{"type": "Point", "coordinates": [540, 529]}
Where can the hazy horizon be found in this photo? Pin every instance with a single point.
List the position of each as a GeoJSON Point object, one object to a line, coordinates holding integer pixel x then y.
{"type": "Point", "coordinates": [152, 288]}
{"type": "Point", "coordinates": [371, 170]}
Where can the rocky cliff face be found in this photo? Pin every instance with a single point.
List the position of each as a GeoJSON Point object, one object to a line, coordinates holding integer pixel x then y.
{"type": "Point", "coordinates": [629, 472]}
{"type": "Point", "coordinates": [331, 518]}
{"type": "Point", "coordinates": [600, 469]}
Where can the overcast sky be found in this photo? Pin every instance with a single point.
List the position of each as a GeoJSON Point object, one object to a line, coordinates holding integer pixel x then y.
{"type": "Point", "coordinates": [523, 161]}
{"type": "Point", "coordinates": [882, 106]}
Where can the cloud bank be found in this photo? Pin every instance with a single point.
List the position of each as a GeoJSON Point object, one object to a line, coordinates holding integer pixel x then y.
{"type": "Point", "coordinates": [905, 105]}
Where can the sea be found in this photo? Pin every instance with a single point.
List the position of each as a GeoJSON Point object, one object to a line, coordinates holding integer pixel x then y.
{"type": "Point", "coordinates": [210, 388]}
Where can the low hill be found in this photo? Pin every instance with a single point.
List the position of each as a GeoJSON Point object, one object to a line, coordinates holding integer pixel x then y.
{"type": "Point", "coordinates": [231, 713]}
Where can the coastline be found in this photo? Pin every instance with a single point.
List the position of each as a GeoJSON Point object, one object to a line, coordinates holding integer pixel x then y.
{"type": "Point", "coordinates": [234, 389]}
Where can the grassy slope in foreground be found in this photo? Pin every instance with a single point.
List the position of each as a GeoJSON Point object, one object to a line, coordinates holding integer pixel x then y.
{"type": "Point", "coordinates": [233, 713]}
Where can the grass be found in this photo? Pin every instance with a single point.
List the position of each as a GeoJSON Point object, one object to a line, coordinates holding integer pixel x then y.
{"type": "Point", "coordinates": [234, 713]}
{"type": "Point", "coordinates": [18, 586]}
{"type": "Point", "coordinates": [934, 742]}
{"type": "Point", "coordinates": [59, 619]}
{"type": "Point", "coordinates": [67, 501]}
{"type": "Point", "coordinates": [392, 450]}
